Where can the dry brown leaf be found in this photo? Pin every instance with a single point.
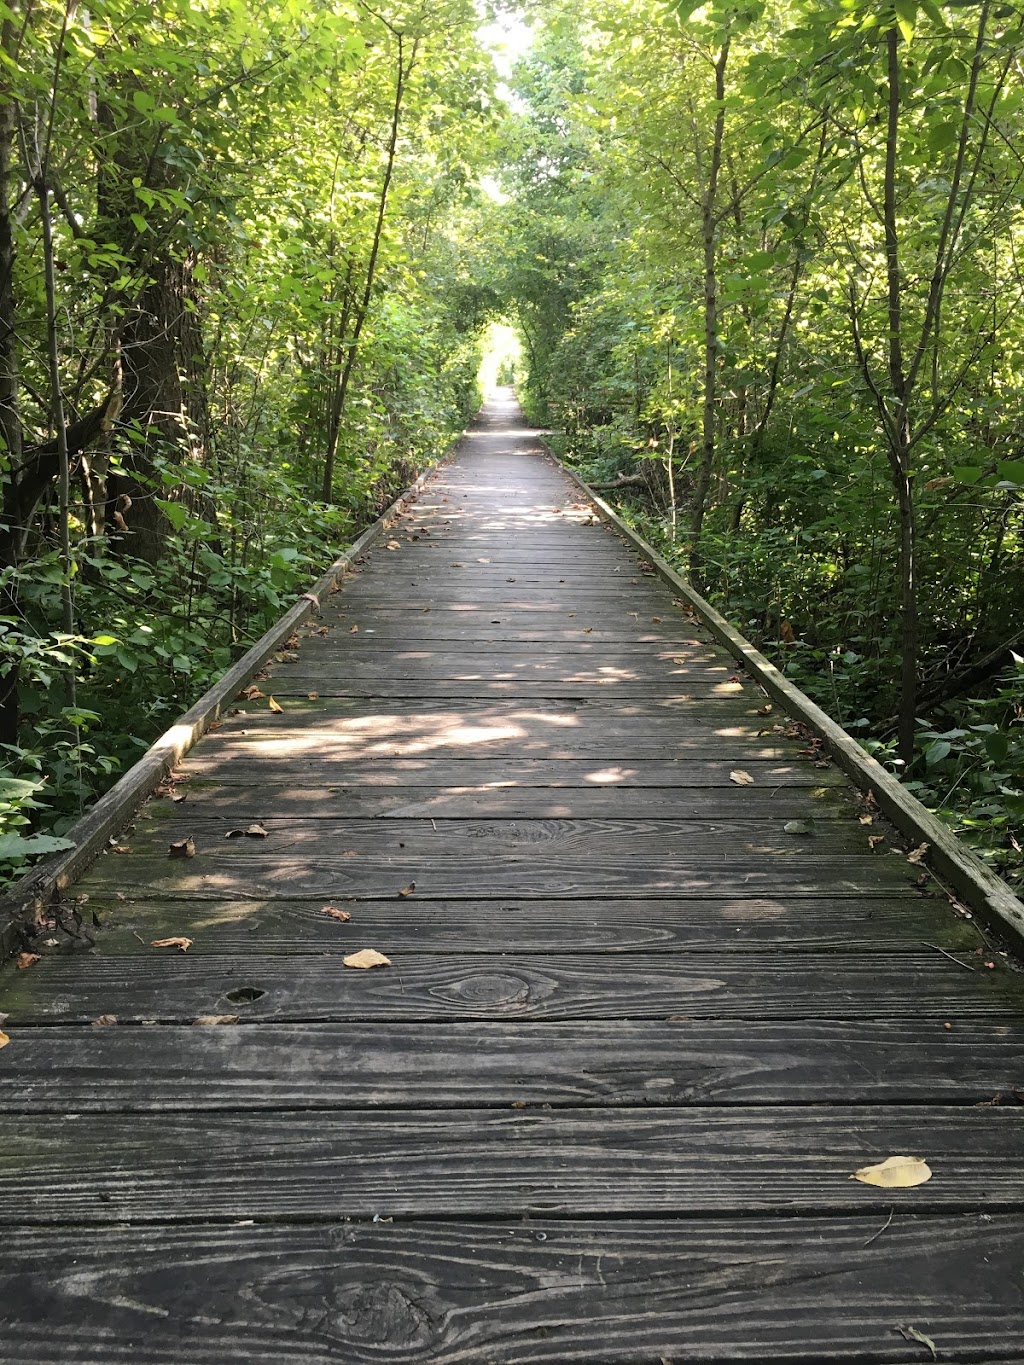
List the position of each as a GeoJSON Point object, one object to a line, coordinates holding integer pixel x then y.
{"type": "Point", "coordinates": [367, 957]}
{"type": "Point", "coordinates": [182, 944]}
{"type": "Point", "coordinates": [120, 848]}
{"type": "Point", "coordinates": [182, 848]}
{"type": "Point", "coordinates": [274, 706]}
{"type": "Point", "coordinates": [4, 1040]}
{"type": "Point", "coordinates": [252, 693]}
{"type": "Point", "coordinates": [656, 620]}
{"type": "Point", "coordinates": [911, 1333]}
{"type": "Point", "coordinates": [392, 545]}
{"type": "Point", "coordinates": [917, 854]}
{"type": "Point", "coordinates": [332, 911]}
{"type": "Point", "coordinates": [218, 1019]}
{"type": "Point", "coordinates": [408, 890]}
{"type": "Point", "coordinates": [26, 960]}
{"type": "Point", "coordinates": [866, 819]}
{"type": "Point", "coordinates": [353, 630]}
{"type": "Point", "coordinates": [875, 839]}
{"type": "Point", "coordinates": [104, 1021]}
{"type": "Point", "coordinates": [313, 696]}
{"type": "Point", "coordinates": [588, 630]}
{"type": "Point", "coordinates": [895, 1173]}
{"type": "Point", "coordinates": [741, 778]}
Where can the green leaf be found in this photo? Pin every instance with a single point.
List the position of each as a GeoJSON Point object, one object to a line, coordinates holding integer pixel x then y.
{"type": "Point", "coordinates": [17, 846]}
{"type": "Point", "coordinates": [936, 752]}
{"type": "Point", "coordinates": [968, 473]}
{"type": "Point", "coordinates": [997, 746]}
{"type": "Point", "coordinates": [906, 17]}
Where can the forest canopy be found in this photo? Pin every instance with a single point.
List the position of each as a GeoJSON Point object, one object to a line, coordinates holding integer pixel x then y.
{"type": "Point", "coordinates": [764, 262]}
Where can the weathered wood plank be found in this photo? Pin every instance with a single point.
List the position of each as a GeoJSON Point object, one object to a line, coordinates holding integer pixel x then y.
{"type": "Point", "coordinates": [506, 925]}
{"type": "Point", "coordinates": [530, 874]}
{"type": "Point", "coordinates": [501, 1163]}
{"type": "Point", "coordinates": [430, 987]}
{"type": "Point", "coordinates": [306, 1066]}
{"type": "Point", "coordinates": [694, 774]}
{"type": "Point", "coordinates": [243, 803]}
{"type": "Point", "coordinates": [653, 842]}
{"type": "Point", "coordinates": [460, 1293]}
{"type": "Point", "coordinates": [394, 736]}
{"type": "Point", "coordinates": [433, 690]}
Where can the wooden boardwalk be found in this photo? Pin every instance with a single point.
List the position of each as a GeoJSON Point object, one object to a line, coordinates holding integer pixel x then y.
{"type": "Point", "coordinates": [605, 1103]}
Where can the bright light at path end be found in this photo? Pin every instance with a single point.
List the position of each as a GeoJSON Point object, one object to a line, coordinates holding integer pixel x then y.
{"type": "Point", "coordinates": [501, 357]}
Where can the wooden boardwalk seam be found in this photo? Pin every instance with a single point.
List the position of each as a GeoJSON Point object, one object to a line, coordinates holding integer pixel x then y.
{"type": "Point", "coordinates": [643, 1018]}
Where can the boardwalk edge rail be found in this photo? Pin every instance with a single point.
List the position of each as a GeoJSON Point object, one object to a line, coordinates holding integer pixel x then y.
{"type": "Point", "coordinates": [48, 880]}
{"type": "Point", "coordinates": [967, 876]}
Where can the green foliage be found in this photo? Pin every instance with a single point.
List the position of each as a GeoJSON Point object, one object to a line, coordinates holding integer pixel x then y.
{"type": "Point", "coordinates": [852, 136]}
{"type": "Point", "coordinates": [230, 190]}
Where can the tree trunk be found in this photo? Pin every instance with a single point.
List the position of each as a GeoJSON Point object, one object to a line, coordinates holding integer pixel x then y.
{"type": "Point", "coordinates": [10, 417]}
{"type": "Point", "coordinates": [709, 223]}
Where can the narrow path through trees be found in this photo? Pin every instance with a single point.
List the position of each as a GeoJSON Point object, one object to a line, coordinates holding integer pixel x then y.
{"type": "Point", "coordinates": [655, 991]}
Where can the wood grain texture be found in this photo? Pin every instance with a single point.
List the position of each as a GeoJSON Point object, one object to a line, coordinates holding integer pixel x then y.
{"type": "Point", "coordinates": [508, 924]}
{"type": "Point", "coordinates": [170, 1167]}
{"type": "Point", "coordinates": [652, 842]}
{"type": "Point", "coordinates": [695, 775]}
{"type": "Point", "coordinates": [174, 987]}
{"type": "Point", "coordinates": [457, 1293]}
{"type": "Point", "coordinates": [118, 1069]}
{"type": "Point", "coordinates": [529, 874]}
{"type": "Point", "coordinates": [239, 803]}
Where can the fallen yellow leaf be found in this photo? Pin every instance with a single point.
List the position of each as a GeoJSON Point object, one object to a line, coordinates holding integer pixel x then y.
{"type": "Point", "coordinates": [918, 854]}
{"type": "Point", "coordinates": [895, 1173]}
{"type": "Point", "coordinates": [26, 960]}
{"type": "Point", "coordinates": [4, 1040]}
{"type": "Point", "coordinates": [274, 706]}
{"type": "Point", "coordinates": [211, 1019]}
{"type": "Point", "coordinates": [182, 944]}
{"type": "Point", "coordinates": [741, 778]}
{"type": "Point", "coordinates": [367, 957]}
{"type": "Point", "coordinates": [408, 890]}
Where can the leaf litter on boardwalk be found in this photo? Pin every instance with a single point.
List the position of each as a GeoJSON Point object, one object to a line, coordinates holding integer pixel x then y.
{"type": "Point", "coordinates": [895, 1173]}
{"type": "Point", "coordinates": [181, 943]}
{"type": "Point", "coordinates": [367, 958]}
{"type": "Point", "coordinates": [332, 912]}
